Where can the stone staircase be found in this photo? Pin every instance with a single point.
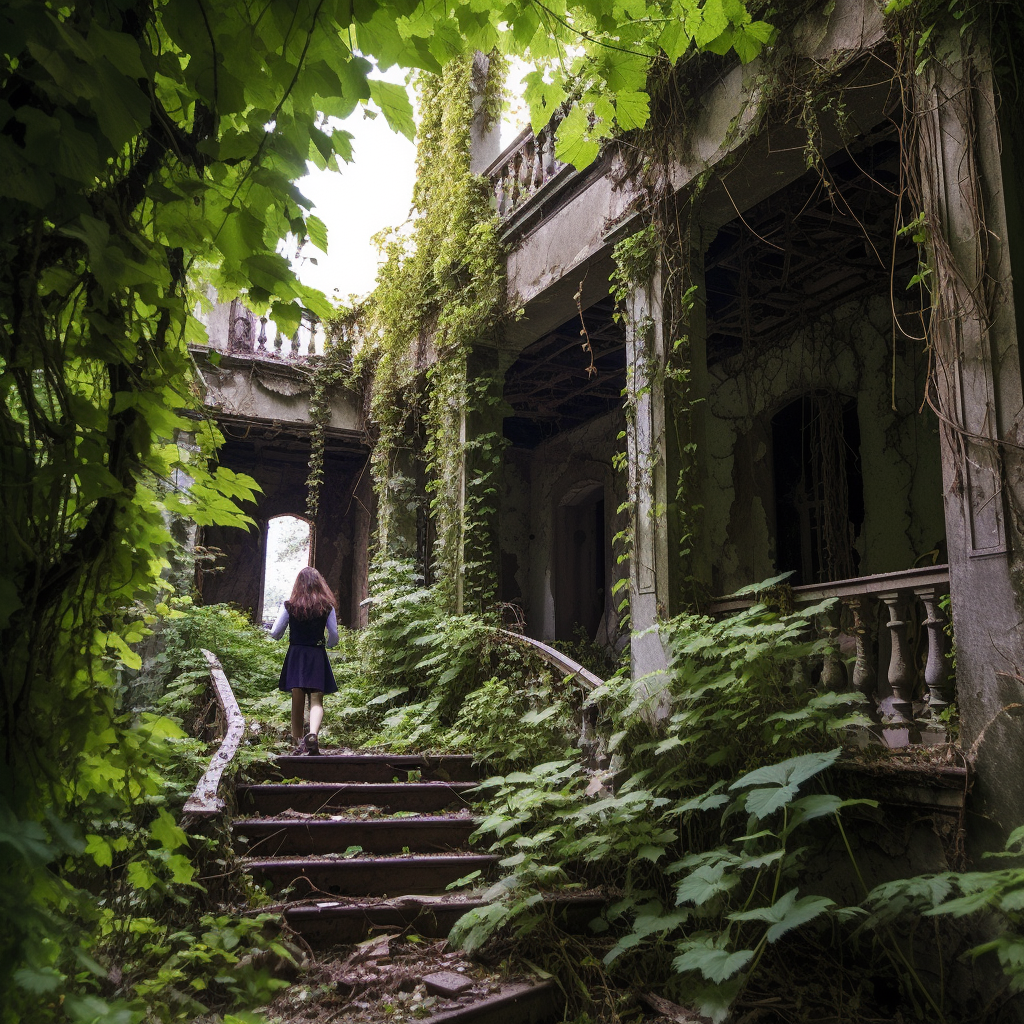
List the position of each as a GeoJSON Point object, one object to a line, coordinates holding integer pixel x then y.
{"type": "Point", "coordinates": [364, 845]}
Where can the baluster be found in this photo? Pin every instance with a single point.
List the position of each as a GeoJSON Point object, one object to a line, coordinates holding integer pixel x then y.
{"type": "Point", "coordinates": [261, 342]}
{"type": "Point", "coordinates": [538, 166]}
{"type": "Point", "coordinates": [865, 677]}
{"type": "Point", "coordinates": [833, 671]}
{"type": "Point", "coordinates": [513, 181]}
{"type": "Point", "coordinates": [799, 680]}
{"type": "Point", "coordinates": [547, 146]}
{"type": "Point", "coordinates": [936, 672]}
{"type": "Point", "coordinates": [499, 195]}
{"type": "Point", "coordinates": [278, 342]}
{"type": "Point", "coordinates": [900, 669]}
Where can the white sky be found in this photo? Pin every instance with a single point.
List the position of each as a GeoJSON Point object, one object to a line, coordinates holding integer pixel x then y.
{"type": "Point", "coordinates": [371, 193]}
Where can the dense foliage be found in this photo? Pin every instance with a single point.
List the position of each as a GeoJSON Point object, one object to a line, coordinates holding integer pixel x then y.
{"type": "Point", "coordinates": [144, 146]}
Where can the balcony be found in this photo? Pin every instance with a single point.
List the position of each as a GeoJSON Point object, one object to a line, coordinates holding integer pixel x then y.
{"type": "Point", "coordinates": [239, 332]}
{"type": "Point", "coordinates": [887, 642]}
{"type": "Point", "coordinates": [527, 178]}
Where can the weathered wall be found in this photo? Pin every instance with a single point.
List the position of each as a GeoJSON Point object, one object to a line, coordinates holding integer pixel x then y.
{"type": "Point", "coordinates": [341, 530]}
{"type": "Point", "coordinates": [262, 389]}
{"type": "Point", "coordinates": [536, 484]}
{"type": "Point", "coordinates": [848, 351]}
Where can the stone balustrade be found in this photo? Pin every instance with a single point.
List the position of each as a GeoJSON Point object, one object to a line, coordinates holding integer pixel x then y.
{"type": "Point", "coordinates": [887, 641]}
{"type": "Point", "coordinates": [524, 168]}
{"type": "Point", "coordinates": [300, 346]}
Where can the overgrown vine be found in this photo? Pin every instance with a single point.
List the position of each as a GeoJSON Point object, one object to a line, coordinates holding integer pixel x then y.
{"type": "Point", "coordinates": [440, 295]}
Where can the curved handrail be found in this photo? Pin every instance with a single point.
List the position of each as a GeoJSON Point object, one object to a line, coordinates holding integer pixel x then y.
{"type": "Point", "coordinates": [593, 746]}
{"type": "Point", "coordinates": [204, 801]}
{"type": "Point", "coordinates": [558, 660]}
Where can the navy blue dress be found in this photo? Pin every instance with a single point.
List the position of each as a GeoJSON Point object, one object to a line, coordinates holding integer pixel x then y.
{"type": "Point", "coordinates": [306, 664]}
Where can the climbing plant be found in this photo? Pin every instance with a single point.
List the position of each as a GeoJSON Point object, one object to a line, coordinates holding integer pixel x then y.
{"type": "Point", "coordinates": [440, 294]}
{"type": "Point", "coordinates": [145, 146]}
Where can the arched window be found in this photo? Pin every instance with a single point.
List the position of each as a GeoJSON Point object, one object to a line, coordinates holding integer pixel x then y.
{"type": "Point", "coordinates": [289, 548]}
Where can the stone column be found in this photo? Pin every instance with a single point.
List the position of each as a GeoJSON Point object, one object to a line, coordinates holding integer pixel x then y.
{"type": "Point", "coordinates": [645, 435]}
{"type": "Point", "coordinates": [665, 438]}
{"type": "Point", "coordinates": [977, 388]}
{"type": "Point", "coordinates": [485, 133]}
{"type": "Point", "coordinates": [481, 483]}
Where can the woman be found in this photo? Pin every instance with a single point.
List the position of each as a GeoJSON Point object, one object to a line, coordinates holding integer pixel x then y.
{"type": "Point", "coordinates": [306, 670]}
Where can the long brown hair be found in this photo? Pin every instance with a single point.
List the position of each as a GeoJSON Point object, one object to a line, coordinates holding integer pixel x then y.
{"type": "Point", "coordinates": [311, 597]}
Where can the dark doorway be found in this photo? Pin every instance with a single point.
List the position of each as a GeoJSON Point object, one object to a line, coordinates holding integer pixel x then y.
{"type": "Point", "coordinates": [580, 565]}
{"type": "Point", "coordinates": [819, 489]}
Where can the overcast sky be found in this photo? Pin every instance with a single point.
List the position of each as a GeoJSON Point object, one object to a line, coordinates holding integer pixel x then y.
{"type": "Point", "coordinates": [371, 193]}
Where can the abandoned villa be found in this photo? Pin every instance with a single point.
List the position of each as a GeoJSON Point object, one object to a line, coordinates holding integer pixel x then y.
{"type": "Point", "coordinates": [774, 336]}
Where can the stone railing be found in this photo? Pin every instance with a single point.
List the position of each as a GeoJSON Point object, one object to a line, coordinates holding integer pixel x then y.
{"type": "Point", "coordinates": [229, 727]}
{"type": "Point", "coordinates": [592, 745]}
{"type": "Point", "coordinates": [248, 335]}
{"type": "Point", "coordinates": [524, 168]}
{"type": "Point", "coordinates": [890, 631]}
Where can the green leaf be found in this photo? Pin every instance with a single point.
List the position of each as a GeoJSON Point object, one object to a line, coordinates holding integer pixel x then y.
{"type": "Point", "coordinates": [166, 831]}
{"type": "Point", "coordinates": [787, 913]}
{"type": "Point", "coordinates": [573, 142]}
{"type": "Point", "coordinates": [100, 850]}
{"type": "Point", "coordinates": [716, 965]}
{"type": "Point", "coordinates": [141, 875]}
{"type": "Point", "coordinates": [714, 22]}
{"type": "Point", "coordinates": [632, 110]}
{"type": "Point", "coordinates": [794, 771]}
{"type": "Point", "coordinates": [394, 104]}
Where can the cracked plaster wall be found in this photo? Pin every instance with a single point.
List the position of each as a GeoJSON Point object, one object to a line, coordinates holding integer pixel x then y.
{"type": "Point", "coordinates": [535, 484]}
{"type": "Point", "coordinates": [848, 350]}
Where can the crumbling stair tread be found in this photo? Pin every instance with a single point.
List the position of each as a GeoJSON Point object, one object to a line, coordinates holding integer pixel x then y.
{"type": "Point", "coordinates": [378, 767]}
{"type": "Point", "coordinates": [420, 834]}
{"type": "Point", "coordinates": [340, 920]}
{"type": "Point", "coordinates": [517, 1003]}
{"type": "Point", "coordinates": [273, 798]}
{"type": "Point", "coordinates": [425, 874]}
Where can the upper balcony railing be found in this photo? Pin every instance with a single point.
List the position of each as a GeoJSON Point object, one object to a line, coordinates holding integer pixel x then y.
{"type": "Point", "coordinates": [524, 168]}
{"type": "Point", "coordinates": [248, 334]}
{"type": "Point", "coordinates": [906, 606]}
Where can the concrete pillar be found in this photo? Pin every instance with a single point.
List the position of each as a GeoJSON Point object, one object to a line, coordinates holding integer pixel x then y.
{"type": "Point", "coordinates": [649, 571]}
{"type": "Point", "coordinates": [485, 131]}
{"type": "Point", "coordinates": [667, 385]}
{"type": "Point", "coordinates": [481, 486]}
{"type": "Point", "coordinates": [977, 388]}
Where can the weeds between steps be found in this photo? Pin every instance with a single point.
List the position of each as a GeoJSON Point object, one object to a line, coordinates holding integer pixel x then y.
{"type": "Point", "coordinates": [710, 845]}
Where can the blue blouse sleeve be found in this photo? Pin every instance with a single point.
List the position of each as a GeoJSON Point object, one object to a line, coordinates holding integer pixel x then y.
{"type": "Point", "coordinates": [277, 630]}
{"type": "Point", "coordinates": [332, 629]}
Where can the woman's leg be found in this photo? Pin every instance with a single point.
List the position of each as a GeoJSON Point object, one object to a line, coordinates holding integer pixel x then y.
{"type": "Point", "coordinates": [316, 711]}
{"type": "Point", "coordinates": [298, 713]}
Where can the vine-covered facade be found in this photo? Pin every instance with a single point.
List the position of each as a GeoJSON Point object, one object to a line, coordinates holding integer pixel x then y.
{"type": "Point", "coordinates": [771, 334]}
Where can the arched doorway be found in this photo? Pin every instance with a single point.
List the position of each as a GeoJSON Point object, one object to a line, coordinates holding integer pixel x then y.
{"type": "Point", "coordinates": [287, 548]}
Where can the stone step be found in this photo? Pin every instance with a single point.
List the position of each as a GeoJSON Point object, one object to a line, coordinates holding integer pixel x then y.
{"type": "Point", "coordinates": [272, 837]}
{"type": "Point", "coordinates": [313, 797]}
{"type": "Point", "coordinates": [518, 1003]}
{"type": "Point", "coordinates": [365, 876]}
{"type": "Point", "coordinates": [336, 922]}
{"type": "Point", "coordinates": [379, 768]}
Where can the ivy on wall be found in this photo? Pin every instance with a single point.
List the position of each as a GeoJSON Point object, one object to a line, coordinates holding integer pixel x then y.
{"type": "Point", "coordinates": [440, 292]}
